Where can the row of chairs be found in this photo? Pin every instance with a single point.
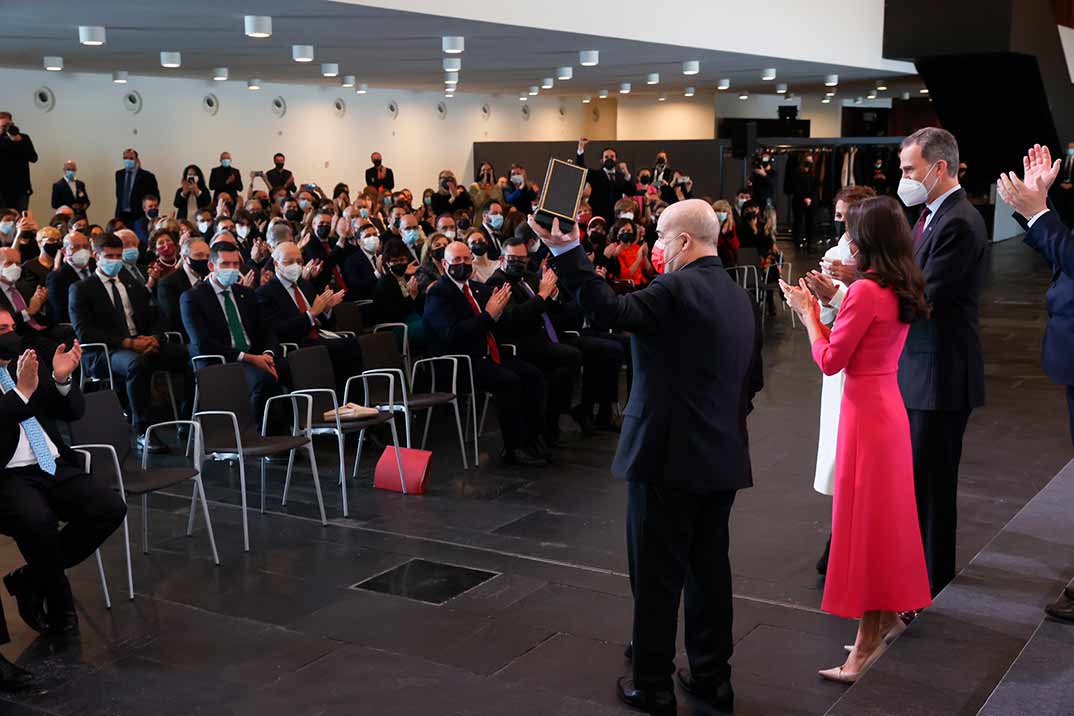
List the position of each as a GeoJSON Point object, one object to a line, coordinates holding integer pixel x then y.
{"type": "Point", "coordinates": [755, 281]}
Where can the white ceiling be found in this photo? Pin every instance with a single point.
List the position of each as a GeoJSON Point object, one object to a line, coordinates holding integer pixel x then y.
{"type": "Point", "coordinates": [384, 48]}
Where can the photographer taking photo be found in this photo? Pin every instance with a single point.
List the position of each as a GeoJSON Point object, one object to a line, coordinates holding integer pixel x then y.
{"type": "Point", "coordinates": [16, 153]}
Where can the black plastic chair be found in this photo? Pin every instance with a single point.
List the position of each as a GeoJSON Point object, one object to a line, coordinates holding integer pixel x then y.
{"type": "Point", "coordinates": [312, 374]}
{"type": "Point", "coordinates": [348, 318]}
{"type": "Point", "coordinates": [230, 431]}
{"type": "Point", "coordinates": [104, 428]}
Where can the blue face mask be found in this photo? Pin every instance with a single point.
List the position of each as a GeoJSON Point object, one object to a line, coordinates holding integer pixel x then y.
{"type": "Point", "coordinates": [227, 277]}
{"type": "Point", "coordinates": [496, 220]}
{"type": "Point", "coordinates": [225, 163]}
{"type": "Point", "coordinates": [128, 164]}
{"type": "Point", "coordinates": [70, 174]}
{"type": "Point", "coordinates": [110, 267]}
{"type": "Point", "coordinates": [411, 236]}
{"type": "Point", "coordinates": [130, 256]}
{"type": "Point", "coordinates": [1070, 152]}
{"type": "Point", "coordinates": [304, 204]}
{"type": "Point", "coordinates": [364, 213]}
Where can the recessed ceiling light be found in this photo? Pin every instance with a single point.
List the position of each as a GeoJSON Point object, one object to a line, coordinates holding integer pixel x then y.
{"type": "Point", "coordinates": [923, 90]}
{"type": "Point", "coordinates": [92, 35]}
{"type": "Point", "coordinates": [220, 74]}
{"type": "Point", "coordinates": [170, 59]}
{"type": "Point", "coordinates": [906, 95]}
{"type": "Point", "coordinates": [119, 77]}
{"type": "Point", "coordinates": [691, 67]}
{"type": "Point", "coordinates": [781, 88]}
{"type": "Point", "coordinates": [564, 73]}
{"type": "Point", "coordinates": [744, 95]}
{"type": "Point", "coordinates": [534, 90]}
{"type": "Point", "coordinates": [829, 93]}
{"type": "Point", "coordinates": [253, 84]}
{"type": "Point", "coordinates": [653, 78]}
{"type": "Point", "coordinates": [548, 83]}
{"type": "Point", "coordinates": [603, 94]}
{"type": "Point", "coordinates": [453, 44]}
{"type": "Point", "coordinates": [881, 85]}
{"type": "Point", "coordinates": [872, 94]}
{"type": "Point", "coordinates": [588, 58]}
{"type": "Point", "coordinates": [831, 80]}
{"type": "Point", "coordinates": [302, 53]}
{"type": "Point", "coordinates": [452, 64]}
{"type": "Point", "coordinates": [348, 81]}
{"type": "Point", "coordinates": [523, 98]}
{"type": "Point", "coordinates": [769, 74]}
{"type": "Point", "coordinates": [330, 69]}
{"type": "Point", "coordinates": [257, 25]}
{"type": "Point", "coordinates": [826, 100]}
{"type": "Point", "coordinates": [725, 84]}
{"type": "Point", "coordinates": [362, 88]}
{"type": "Point", "coordinates": [451, 78]}
{"type": "Point", "coordinates": [53, 64]}
{"type": "Point", "coordinates": [689, 92]}
{"type": "Point", "coordinates": [624, 88]}
{"type": "Point", "coordinates": [587, 99]}
{"type": "Point", "coordinates": [448, 92]}
{"type": "Point", "coordinates": [662, 98]}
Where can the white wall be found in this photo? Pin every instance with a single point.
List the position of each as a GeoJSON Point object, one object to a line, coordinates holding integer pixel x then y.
{"type": "Point", "coordinates": [676, 118]}
{"type": "Point", "coordinates": [90, 125]}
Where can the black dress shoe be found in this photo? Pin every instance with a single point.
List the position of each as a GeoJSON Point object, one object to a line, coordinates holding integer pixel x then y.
{"type": "Point", "coordinates": [585, 422]}
{"type": "Point", "coordinates": [60, 604]}
{"type": "Point", "coordinates": [13, 678]}
{"type": "Point", "coordinates": [658, 702]}
{"type": "Point", "coordinates": [718, 695]}
{"type": "Point", "coordinates": [64, 623]}
{"type": "Point", "coordinates": [1062, 609]}
{"type": "Point", "coordinates": [522, 457]}
{"type": "Point", "coordinates": [29, 597]}
{"type": "Point", "coordinates": [628, 652]}
{"type": "Point", "coordinates": [822, 563]}
{"type": "Point", "coordinates": [154, 446]}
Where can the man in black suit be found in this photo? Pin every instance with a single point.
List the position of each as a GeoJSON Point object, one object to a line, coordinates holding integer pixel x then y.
{"type": "Point", "coordinates": [1063, 191]}
{"type": "Point", "coordinates": [17, 153]}
{"type": "Point", "coordinates": [43, 484]}
{"type": "Point", "coordinates": [331, 254]}
{"type": "Point", "coordinates": [133, 184]}
{"type": "Point", "coordinates": [941, 372]}
{"type": "Point", "coordinates": [73, 264]}
{"type": "Point", "coordinates": [69, 191]}
{"type": "Point", "coordinates": [112, 308]}
{"type": "Point", "coordinates": [608, 184]}
{"type": "Point", "coordinates": [461, 315]}
{"type": "Point", "coordinates": [362, 269]}
{"type": "Point", "coordinates": [193, 269]}
{"type": "Point", "coordinates": [222, 317]}
{"type": "Point", "coordinates": [225, 178]}
{"type": "Point", "coordinates": [29, 306]}
{"type": "Point", "coordinates": [804, 196]}
{"type": "Point", "coordinates": [379, 176]}
{"type": "Point", "coordinates": [684, 448]}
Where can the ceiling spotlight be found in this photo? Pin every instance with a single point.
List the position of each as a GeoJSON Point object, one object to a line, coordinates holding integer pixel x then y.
{"type": "Point", "coordinates": [452, 64]}
{"type": "Point", "coordinates": [826, 100]}
{"type": "Point", "coordinates": [119, 77]}
{"type": "Point", "coordinates": [923, 90]}
{"type": "Point", "coordinates": [743, 95]}
{"type": "Point", "coordinates": [881, 85]}
{"type": "Point", "coordinates": [588, 58]}
{"type": "Point", "coordinates": [691, 67]}
{"type": "Point", "coordinates": [689, 92]}
{"type": "Point", "coordinates": [253, 84]}
{"type": "Point", "coordinates": [348, 81]}
{"type": "Point", "coordinates": [257, 25]}
{"type": "Point", "coordinates": [587, 99]}
{"type": "Point", "coordinates": [906, 95]}
{"type": "Point", "coordinates": [91, 35]}
{"type": "Point", "coordinates": [872, 94]}
{"type": "Point", "coordinates": [449, 92]}
{"type": "Point", "coordinates": [170, 59]}
{"type": "Point", "coordinates": [662, 98]}
{"type": "Point", "coordinates": [831, 80]}
{"type": "Point", "coordinates": [725, 84]}
{"type": "Point", "coordinates": [781, 88]}
{"type": "Point", "coordinates": [769, 74]}
{"type": "Point", "coordinates": [453, 44]}
{"type": "Point", "coordinates": [53, 64]}
{"type": "Point", "coordinates": [603, 94]}
{"type": "Point", "coordinates": [564, 73]}
{"type": "Point", "coordinates": [548, 83]}
{"type": "Point", "coordinates": [534, 90]}
{"type": "Point", "coordinates": [522, 98]}
{"type": "Point", "coordinates": [829, 93]}
{"type": "Point", "coordinates": [302, 53]}
{"type": "Point", "coordinates": [329, 69]}
{"type": "Point", "coordinates": [362, 88]}
{"type": "Point", "coordinates": [220, 74]}
{"type": "Point", "coordinates": [624, 88]}
{"type": "Point", "coordinates": [652, 79]}
{"type": "Point", "coordinates": [451, 78]}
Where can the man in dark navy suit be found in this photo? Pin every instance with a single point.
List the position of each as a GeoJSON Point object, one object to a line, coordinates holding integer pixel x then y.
{"type": "Point", "coordinates": [608, 184]}
{"type": "Point", "coordinates": [74, 263]}
{"type": "Point", "coordinates": [362, 269]}
{"type": "Point", "coordinates": [133, 184]}
{"type": "Point", "coordinates": [941, 372]}
{"type": "Point", "coordinates": [68, 191]}
{"type": "Point", "coordinates": [684, 448]}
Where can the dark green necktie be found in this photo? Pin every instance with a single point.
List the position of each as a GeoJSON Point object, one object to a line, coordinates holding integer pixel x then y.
{"type": "Point", "coordinates": [234, 323]}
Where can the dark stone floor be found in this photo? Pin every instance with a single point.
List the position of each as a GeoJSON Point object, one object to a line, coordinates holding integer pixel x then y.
{"type": "Point", "coordinates": [302, 625]}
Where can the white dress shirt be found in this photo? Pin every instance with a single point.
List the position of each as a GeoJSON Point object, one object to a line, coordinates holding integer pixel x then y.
{"type": "Point", "coordinates": [290, 287]}
{"type": "Point", "coordinates": [372, 258]}
{"type": "Point", "coordinates": [127, 310]}
{"type": "Point", "coordinates": [24, 454]}
{"type": "Point", "coordinates": [935, 205]}
{"type": "Point", "coordinates": [73, 186]}
{"type": "Point", "coordinates": [220, 292]}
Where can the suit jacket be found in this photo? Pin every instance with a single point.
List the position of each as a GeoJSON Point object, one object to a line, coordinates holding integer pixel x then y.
{"type": "Point", "coordinates": [47, 405]}
{"type": "Point", "coordinates": [218, 182]}
{"type": "Point", "coordinates": [15, 160]}
{"type": "Point", "coordinates": [453, 323]}
{"type": "Point", "coordinates": [26, 289]}
{"type": "Point", "coordinates": [62, 196]}
{"type": "Point", "coordinates": [388, 182]}
{"type": "Point", "coordinates": [522, 322]}
{"type": "Point", "coordinates": [360, 277]}
{"type": "Point", "coordinates": [58, 284]}
{"type": "Point", "coordinates": [1052, 240]}
{"type": "Point", "coordinates": [207, 326]}
{"type": "Point", "coordinates": [330, 254]}
{"type": "Point", "coordinates": [942, 367]}
{"type": "Point", "coordinates": [695, 372]}
{"type": "Point", "coordinates": [169, 290]}
{"type": "Point", "coordinates": [605, 192]}
{"type": "Point", "coordinates": [389, 303]}
{"type": "Point", "coordinates": [144, 183]}
{"type": "Point", "coordinates": [279, 308]}
{"type": "Point", "coordinates": [96, 320]}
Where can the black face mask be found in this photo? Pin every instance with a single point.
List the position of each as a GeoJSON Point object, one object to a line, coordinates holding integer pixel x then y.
{"type": "Point", "coordinates": [52, 249]}
{"type": "Point", "coordinates": [398, 269]}
{"type": "Point", "coordinates": [661, 161]}
{"type": "Point", "coordinates": [645, 178]}
{"type": "Point", "coordinates": [200, 267]}
{"type": "Point", "coordinates": [279, 165]}
{"type": "Point", "coordinates": [840, 228]}
{"type": "Point", "coordinates": [463, 224]}
{"type": "Point", "coordinates": [323, 231]}
{"type": "Point", "coordinates": [627, 237]}
{"type": "Point", "coordinates": [293, 214]}
{"type": "Point", "coordinates": [438, 254]}
{"type": "Point", "coordinates": [376, 162]}
{"type": "Point", "coordinates": [514, 268]}
{"type": "Point", "coordinates": [597, 237]}
{"type": "Point", "coordinates": [460, 272]}
{"type": "Point", "coordinates": [609, 164]}
{"type": "Point", "coordinates": [10, 346]}
{"type": "Point", "coordinates": [479, 249]}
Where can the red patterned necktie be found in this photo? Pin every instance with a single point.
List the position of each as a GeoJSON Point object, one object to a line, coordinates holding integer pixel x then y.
{"type": "Point", "coordinates": [919, 228]}
{"type": "Point", "coordinates": [494, 348]}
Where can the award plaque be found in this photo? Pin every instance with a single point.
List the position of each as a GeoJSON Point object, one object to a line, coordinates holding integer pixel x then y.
{"type": "Point", "coordinates": [561, 194]}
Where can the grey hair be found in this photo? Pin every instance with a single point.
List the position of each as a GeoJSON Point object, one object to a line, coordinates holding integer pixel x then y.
{"type": "Point", "coordinates": [184, 250]}
{"type": "Point", "coordinates": [279, 233]}
{"type": "Point", "coordinates": [223, 235]}
{"type": "Point", "coordinates": [277, 253]}
{"type": "Point", "coordinates": [936, 144]}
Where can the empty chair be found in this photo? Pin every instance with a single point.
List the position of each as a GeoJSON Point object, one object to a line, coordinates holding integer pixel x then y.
{"type": "Point", "coordinates": [230, 431]}
{"type": "Point", "coordinates": [348, 317]}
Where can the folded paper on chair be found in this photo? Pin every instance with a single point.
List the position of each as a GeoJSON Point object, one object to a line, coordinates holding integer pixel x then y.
{"type": "Point", "coordinates": [351, 411]}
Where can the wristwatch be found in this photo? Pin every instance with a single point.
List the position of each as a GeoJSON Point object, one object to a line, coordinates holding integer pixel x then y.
{"type": "Point", "coordinates": [66, 382]}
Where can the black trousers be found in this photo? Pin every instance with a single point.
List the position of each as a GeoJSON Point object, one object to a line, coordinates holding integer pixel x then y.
{"type": "Point", "coordinates": [936, 436]}
{"type": "Point", "coordinates": [802, 218]}
{"type": "Point", "coordinates": [32, 503]}
{"type": "Point", "coordinates": [676, 539]}
{"type": "Point", "coordinates": [136, 370]}
{"type": "Point", "coordinates": [601, 358]}
{"type": "Point", "coordinates": [560, 363]}
{"type": "Point", "coordinates": [520, 393]}
{"type": "Point", "coordinates": [16, 199]}
{"type": "Point", "coordinates": [1070, 410]}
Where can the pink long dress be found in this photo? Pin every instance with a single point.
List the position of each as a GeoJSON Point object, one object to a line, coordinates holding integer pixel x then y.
{"type": "Point", "coordinates": [877, 561]}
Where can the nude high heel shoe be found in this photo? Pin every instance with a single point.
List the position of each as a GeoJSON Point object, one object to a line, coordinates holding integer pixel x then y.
{"type": "Point", "coordinates": [893, 633]}
{"type": "Point", "coordinates": [849, 677]}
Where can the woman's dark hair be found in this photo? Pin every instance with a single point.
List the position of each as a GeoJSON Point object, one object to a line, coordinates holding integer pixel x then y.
{"type": "Point", "coordinates": [395, 248]}
{"type": "Point", "coordinates": [879, 228]}
{"type": "Point", "coordinates": [621, 224]}
{"type": "Point", "coordinates": [197, 170]}
{"type": "Point", "coordinates": [477, 172]}
{"type": "Point", "coordinates": [340, 188]}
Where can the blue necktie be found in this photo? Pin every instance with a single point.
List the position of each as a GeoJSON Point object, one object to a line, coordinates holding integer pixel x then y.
{"type": "Point", "coordinates": [548, 327]}
{"type": "Point", "coordinates": [128, 182]}
{"type": "Point", "coordinates": [35, 434]}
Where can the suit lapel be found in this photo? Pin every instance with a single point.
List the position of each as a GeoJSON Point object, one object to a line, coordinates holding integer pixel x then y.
{"type": "Point", "coordinates": [930, 230]}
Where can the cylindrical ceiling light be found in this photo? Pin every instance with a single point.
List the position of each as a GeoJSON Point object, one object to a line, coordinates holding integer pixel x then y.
{"type": "Point", "coordinates": [653, 78]}
{"type": "Point", "coordinates": [253, 84]}
{"type": "Point", "coordinates": [91, 35]}
{"type": "Point", "coordinates": [725, 84]}
{"type": "Point", "coordinates": [523, 98]}
{"type": "Point", "coordinates": [881, 85]}
{"type": "Point", "coordinates": [453, 44]}
{"type": "Point", "coordinates": [781, 88]}
{"type": "Point", "coordinates": [451, 78]}
{"type": "Point", "coordinates": [348, 81]}
{"type": "Point", "coordinates": [872, 95]}
{"type": "Point", "coordinates": [906, 95]}
{"type": "Point", "coordinates": [624, 88]}
{"type": "Point", "coordinates": [329, 69]}
{"type": "Point", "coordinates": [829, 93]}
{"type": "Point", "coordinates": [170, 59]}
{"type": "Point", "coordinates": [564, 73]}
{"type": "Point", "coordinates": [689, 92]}
{"type": "Point", "coordinates": [53, 64]}
{"type": "Point", "coordinates": [769, 74]}
{"type": "Point", "coordinates": [691, 67]}
{"type": "Point", "coordinates": [662, 98]}
{"type": "Point", "coordinates": [826, 100]}
{"type": "Point", "coordinates": [588, 58]}
{"type": "Point", "coordinates": [548, 83]}
{"type": "Point", "coordinates": [603, 94]}
{"type": "Point", "coordinates": [220, 74]}
{"type": "Point", "coordinates": [923, 90]}
{"type": "Point", "coordinates": [257, 25]}
{"type": "Point", "coordinates": [302, 53]}
{"type": "Point", "coordinates": [452, 64]}
{"type": "Point", "coordinates": [831, 80]}
{"type": "Point", "coordinates": [587, 99]}
{"type": "Point", "coordinates": [534, 90]}
{"type": "Point", "coordinates": [362, 88]}
{"type": "Point", "coordinates": [119, 77]}
{"type": "Point", "coordinates": [743, 95]}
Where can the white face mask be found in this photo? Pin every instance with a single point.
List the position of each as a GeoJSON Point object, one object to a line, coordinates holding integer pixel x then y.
{"type": "Point", "coordinates": [203, 226]}
{"type": "Point", "coordinates": [242, 231]}
{"type": "Point", "coordinates": [291, 272]}
{"type": "Point", "coordinates": [80, 258]}
{"type": "Point", "coordinates": [370, 244]}
{"type": "Point", "coordinates": [11, 273]}
{"type": "Point", "coordinates": [450, 233]}
{"type": "Point", "coordinates": [913, 192]}
{"type": "Point", "coordinates": [628, 215]}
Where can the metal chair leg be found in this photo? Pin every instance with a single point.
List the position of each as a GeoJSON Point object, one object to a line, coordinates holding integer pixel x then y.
{"type": "Point", "coordinates": [193, 511]}
{"type": "Point", "coordinates": [287, 480]}
{"type": "Point", "coordinates": [104, 581]}
{"type": "Point", "coordinates": [208, 523]}
{"type": "Point", "coordinates": [458, 424]}
{"type": "Point", "coordinates": [342, 477]}
{"type": "Point", "coordinates": [484, 414]}
{"type": "Point", "coordinates": [398, 458]}
{"type": "Point", "coordinates": [145, 524]}
{"type": "Point", "coordinates": [406, 412]}
{"type": "Point", "coordinates": [264, 465]}
{"type": "Point", "coordinates": [473, 411]}
{"type": "Point", "coordinates": [245, 521]}
{"type": "Point", "coordinates": [428, 420]}
{"type": "Point", "coordinates": [358, 453]}
{"type": "Point", "coordinates": [316, 482]}
{"type": "Point", "coordinates": [127, 550]}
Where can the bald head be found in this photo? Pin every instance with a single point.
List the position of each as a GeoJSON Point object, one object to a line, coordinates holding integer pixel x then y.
{"type": "Point", "coordinates": [692, 216]}
{"type": "Point", "coordinates": [10, 256]}
{"type": "Point", "coordinates": [128, 237]}
{"type": "Point", "coordinates": [454, 250]}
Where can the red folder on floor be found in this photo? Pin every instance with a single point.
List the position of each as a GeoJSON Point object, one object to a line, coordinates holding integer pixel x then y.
{"type": "Point", "coordinates": [415, 470]}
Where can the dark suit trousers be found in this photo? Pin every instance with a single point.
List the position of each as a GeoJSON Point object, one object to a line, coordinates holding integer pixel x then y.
{"type": "Point", "coordinates": [678, 539]}
{"type": "Point", "coordinates": [520, 393]}
{"type": "Point", "coordinates": [32, 503]}
{"type": "Point", "coordinates": [937, 444]}
{"type": "Point", "coordinates": [136, 369]}
{"type": "Point", "coordinates": [18, 200]}
{"type": "Point", "coordinates": [560, 364]}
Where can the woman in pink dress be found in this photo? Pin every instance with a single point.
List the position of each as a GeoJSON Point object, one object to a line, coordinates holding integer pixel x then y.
{"type": "Point", "coordinates": [877, 564]}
